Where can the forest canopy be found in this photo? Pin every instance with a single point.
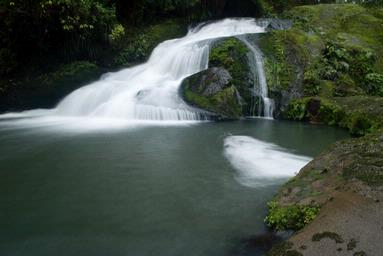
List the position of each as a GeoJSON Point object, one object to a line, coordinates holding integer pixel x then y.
{"type": "Point", "coordinates": [49, 31]}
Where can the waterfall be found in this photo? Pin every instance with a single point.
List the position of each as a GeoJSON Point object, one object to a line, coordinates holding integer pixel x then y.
{"type": "Point", "coordinates": [265, 105]}
{"type": "Point", "coordinates": [150, 91]}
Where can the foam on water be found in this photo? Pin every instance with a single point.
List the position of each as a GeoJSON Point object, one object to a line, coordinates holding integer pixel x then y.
{"type": "Point", "coordinates": [260, 163]}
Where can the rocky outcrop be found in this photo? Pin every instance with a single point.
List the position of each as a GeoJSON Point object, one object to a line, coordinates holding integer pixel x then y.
{"type": "Point", "coordinates": [346, 182]}
{"type": "Point", "coordinates": [325, 54]}
{"type": "Point", "coordinates": [225, 88]}
{"type": "Point", "coordinates": [212, 90]}
{"type": "Point", "coordinates": [326, 70]}
{"type": "Point", "coordinates": [211, 81]}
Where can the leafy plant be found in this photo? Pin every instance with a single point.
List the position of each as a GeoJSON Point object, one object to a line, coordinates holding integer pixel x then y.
{"type": "Point", "coordinates": [293, 217]}
{"type": "Point", "coordinates": [117, 36]}
{"type": "Point", "coordinates": [374, 84]}
{"type": "Point", "coordinates": [296, 110]}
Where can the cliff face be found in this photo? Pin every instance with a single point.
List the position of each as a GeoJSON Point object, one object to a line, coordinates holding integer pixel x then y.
{"type": "Point", "coordinates": [328, 69]}
{"type": "Point", "coordinates": [331, 51]}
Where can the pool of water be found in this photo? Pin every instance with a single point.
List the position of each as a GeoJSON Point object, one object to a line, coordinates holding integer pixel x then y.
{"type": "Point", "coordinates": [145, 190]}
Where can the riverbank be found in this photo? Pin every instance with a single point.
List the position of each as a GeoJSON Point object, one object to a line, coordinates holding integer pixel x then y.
{"type": "Point", "coordinates": [319, 72]}
{"type": "Point", "coordinates": [346, 183]}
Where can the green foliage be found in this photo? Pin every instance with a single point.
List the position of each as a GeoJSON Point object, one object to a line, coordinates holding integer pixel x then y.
{"type": "Point", "coordinates": [296, 110]}
{"type": "Point", "coordinates": [225, 55]}
{"type": "Point", "coordinates": [135, 51]}
{"type": "Point", "coordinates": [117, 36]}
{"type": "Point", "coordinates": [359, 124]}
{"type": "Point", "coordinates": [374, 84]}
{"type": "Point", "coordinates": [311, 82]}
{"type": "Point", "coordinates": [76, 71]}
{"type": "Point", "coordinates": [55, 30]}
{"type": "Point", "coordinates": [140, 44]}
{"type": "Point", "coordinates": [354, 117]}
{"type": "Point", "coordinates": [278, 72]}
{"type": "Point", "coordinates": [350, 65]}
{"type": "Point", "coordinates": [231, 54]}
{"type": "Point", "coordinates": [330, 114]}
{"type": "Point", "coordinates": [293, 217]}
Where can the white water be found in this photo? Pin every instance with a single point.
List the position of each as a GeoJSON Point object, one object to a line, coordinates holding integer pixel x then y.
{"type": "Point", "coordinates": [266, 105]}
{"type": "Point", "coordinates": [259, 163]}
{"type": "Point", "coordinates": [150, 91]}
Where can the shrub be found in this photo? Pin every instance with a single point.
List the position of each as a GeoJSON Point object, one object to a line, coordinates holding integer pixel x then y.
{"type": "Point", "coordinates": [117, 36]}
{"type": "Point", "coordinates": [374, 84]}
{"type": "Point", "coordinates": [293, 217]}
{"type": "Point", "coordinates": [296, 110]}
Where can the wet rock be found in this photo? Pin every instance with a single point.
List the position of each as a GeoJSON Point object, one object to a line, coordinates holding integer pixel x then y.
{"type": "Point", "coordinates": [279, 24]}
{"type": "Point", "coordinates": [214, 80]}
{"type": "Point", "coordinates": [212, 90]}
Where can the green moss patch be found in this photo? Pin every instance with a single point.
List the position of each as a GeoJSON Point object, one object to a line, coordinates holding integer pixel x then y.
{"type": "Point", "coordinates": [331, 235]}
{"type": "Point", "coordinates": [283, 249]}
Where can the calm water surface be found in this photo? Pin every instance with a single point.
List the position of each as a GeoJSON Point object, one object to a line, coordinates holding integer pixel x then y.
{"type": "Point", "coordinates": [136, 191]}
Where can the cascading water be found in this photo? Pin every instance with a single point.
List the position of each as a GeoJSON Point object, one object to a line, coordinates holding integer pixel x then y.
{"type": "Point", "coordinates": [266, 105]}
{"type": "Point", "coordinates": [150, 91]}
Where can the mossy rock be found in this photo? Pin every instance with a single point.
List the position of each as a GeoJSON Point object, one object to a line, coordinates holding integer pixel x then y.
{"type": "Point", "coordinates": [331, 50]}
{"type": "Point", "coordinates": [359, 114]}
{"type": "Point", "coordinates": [344, 164]}
{"type": "Point", "coordinates": [231, 54]}
{"type": "Point", "coordinates": [283, 249]}
{"type": "Point", "coordinates": [212, 90]}
{"type": "Point", "coordinates": [225, 88]}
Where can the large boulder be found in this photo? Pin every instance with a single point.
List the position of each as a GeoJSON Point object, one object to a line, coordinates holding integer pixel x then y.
{"type": "Point", "coordinates": [212, 90]}
{"type": "Point", "coordinates": [226, 87]}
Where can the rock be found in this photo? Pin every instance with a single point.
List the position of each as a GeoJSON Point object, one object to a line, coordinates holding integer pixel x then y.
{"type": "Point", "coordinates": [214, 81]}
{"type": "Point", "coordinates": [212, 90]}
{"type": "Point", "coordinates": [224, 88]}
{"type": "Point", "coordinates": [278, 24]}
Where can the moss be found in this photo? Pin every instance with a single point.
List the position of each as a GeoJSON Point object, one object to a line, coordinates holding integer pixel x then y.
{"type": "Point", "coordinates": [368, 154]}
{"type": "Point", "coordinates": [228, 56]}
{"type": "Point", "coordinates": [331, 235]}
{"type": "Point", "coordinates": [72, 72]}
{"type": "Point", "coordinates": [296, 110]}
{"type": "Point", "coordinates": [332, 50]}
{"type": "Point", "coordinates": [283, 249]}
{"type": "Point", "coordinates": [293, 217]}
{"type": "Point", "coordinates": [360, 253]}
{"type": "Point", "coordinates": [278, 71]}
{"type": "Point", "coordinates": [351, 245]}
{"type": "Point", "coordinates": [224, 103]}
{"type": "Point", "coordinates": [360, 115]}
{"type": "Point", "coordinates": [231, 54]}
